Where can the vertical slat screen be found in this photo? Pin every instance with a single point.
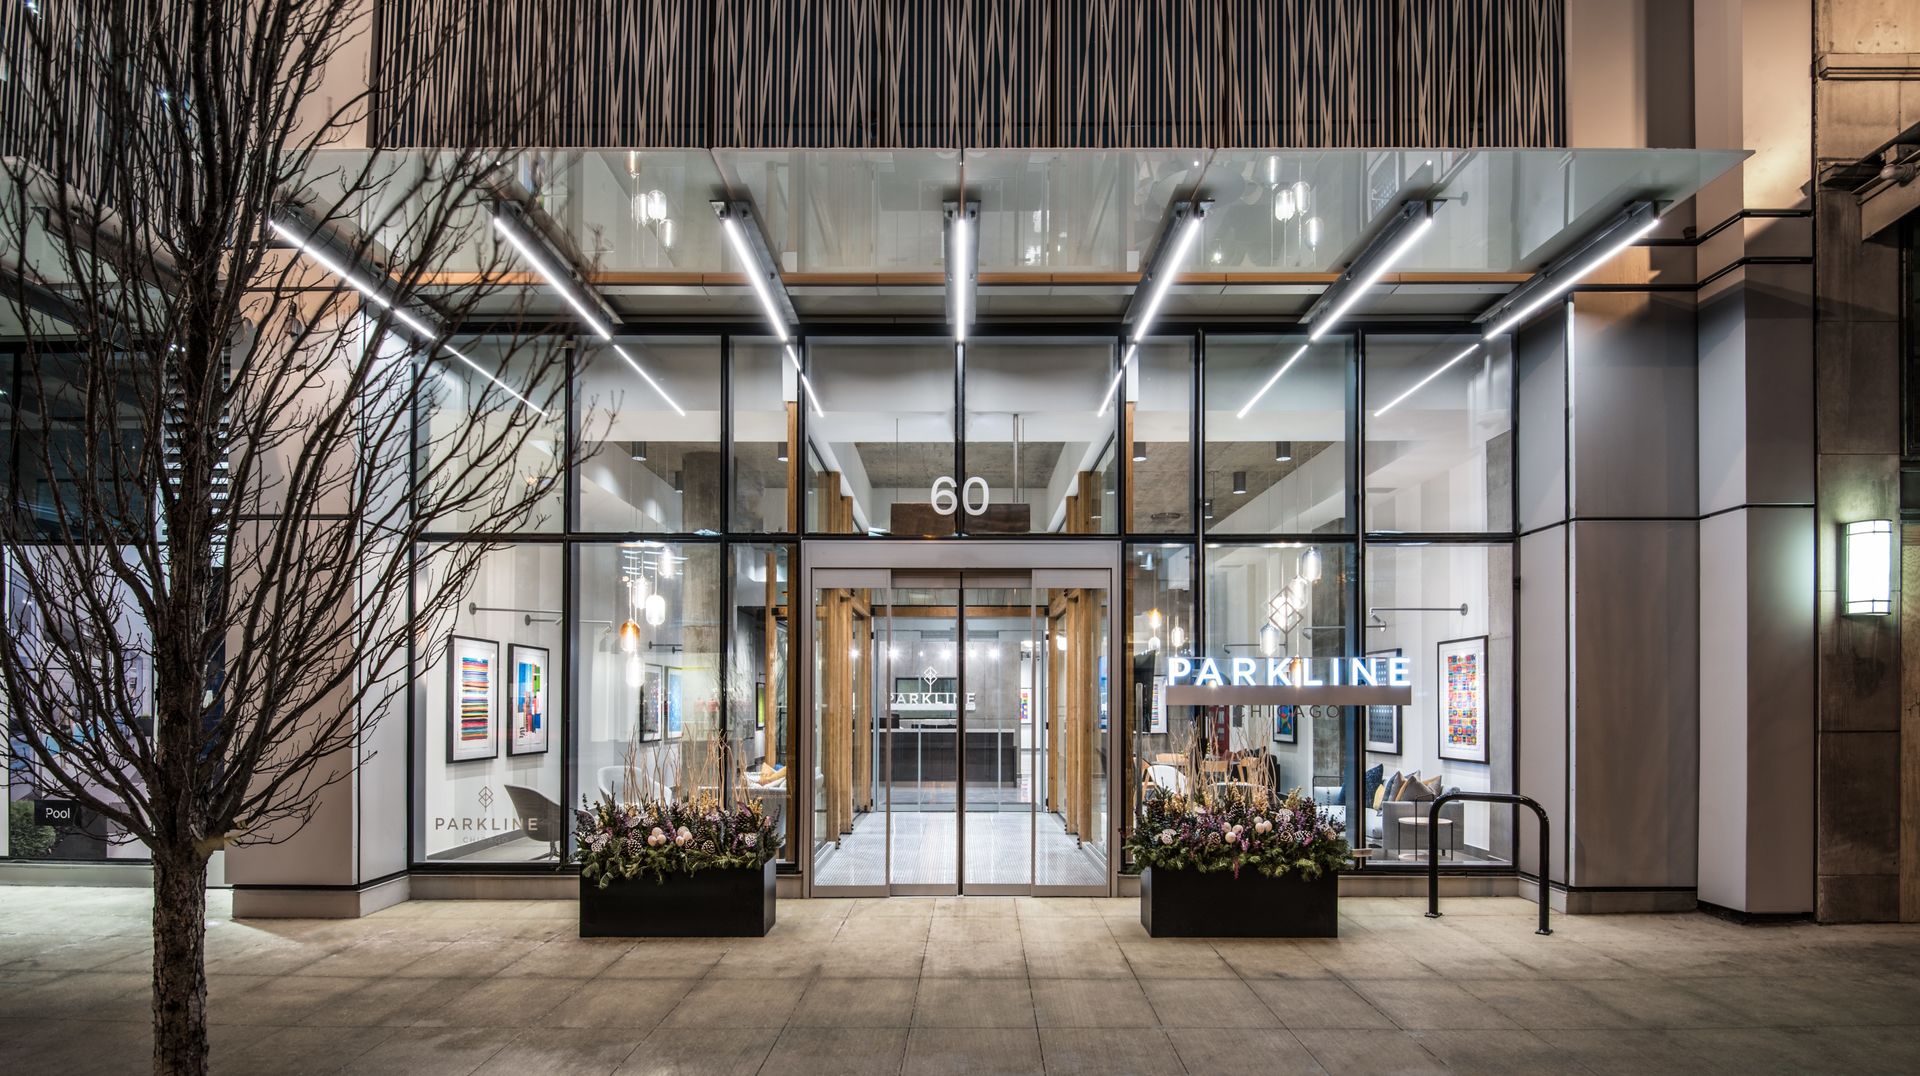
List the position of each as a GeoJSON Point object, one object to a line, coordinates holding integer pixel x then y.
{"type": "Point", "coordinates": [991, 73]}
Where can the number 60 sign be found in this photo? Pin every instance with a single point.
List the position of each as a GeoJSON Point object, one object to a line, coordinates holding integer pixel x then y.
{"type": "Point", "coordinates": [947, 497]}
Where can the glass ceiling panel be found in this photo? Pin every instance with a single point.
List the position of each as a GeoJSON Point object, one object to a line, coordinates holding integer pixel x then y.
{"type": "Point", "coordinates": [1074, 210]}
{"type": "Point", "coordinates": [1056, 211]}
{"type": "Point", "coordinates": [1507, 210]}
{"type": "Point", "coordinates": [849, 211]}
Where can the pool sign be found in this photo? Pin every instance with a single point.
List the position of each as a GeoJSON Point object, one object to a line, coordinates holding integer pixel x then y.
{"type": "Point", "coordinates": [1334, 681]}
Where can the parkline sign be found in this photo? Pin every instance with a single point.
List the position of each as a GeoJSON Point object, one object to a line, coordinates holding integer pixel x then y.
{"type": "Point", "coordinates": [1294, 681]}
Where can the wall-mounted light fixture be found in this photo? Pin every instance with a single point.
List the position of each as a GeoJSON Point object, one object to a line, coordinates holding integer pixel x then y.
{"type": "Point", "coordinates": [1139, 452]}
{"type": "Point", "coordinates": [1283, 451]}
{"type": "Point", "coordinates": [1240, 482]}
{"type": "Point", "coordinates": [1867, 564]}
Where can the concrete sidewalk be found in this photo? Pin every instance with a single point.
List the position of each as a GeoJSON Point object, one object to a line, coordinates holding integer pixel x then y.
{"type": "Point", "coordinates": [967, 985]}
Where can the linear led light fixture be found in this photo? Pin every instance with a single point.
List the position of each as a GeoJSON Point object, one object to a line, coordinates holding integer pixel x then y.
{"type": "Point", "coordinates": [750, 247]}
{"type": "Point", "coordinates": [1400, 234]}
{"type": "Point", "coordinates": [963, 263]}
{"type": "Point", "coordinates": [419, 328]}
{"type": "Point", "coordinates": [509, 220]}
{"type": "Point", "coordinates": [1626, 228]}
{"type": "Point", "coordinates": [1183, 229]}
{"type": "Point", "coordinates": [1423, 382]}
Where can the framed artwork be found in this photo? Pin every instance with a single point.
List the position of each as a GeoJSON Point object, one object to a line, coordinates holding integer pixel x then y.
{"type": "Point", "coordinates": [1383, 722]}
{"type": "Point", "coordinates": [651, 688]}
{"type": "Point", "coordinates": [1026, 706]}
{"type": "Point", "coordinates": [1462, 695]}
{"type": "Point", "coordinates": [1157, 719]}
{"type": "Point", "coordinates": [527, 710]}
{"type": "Point", "coordinates": [1286, 724]}
{"type": "Point", "coordinates": [473, 699]}
{"type": "Point", "coordinates": [676, 714]}
{"type": "Point", "coordinates": [759, 705]}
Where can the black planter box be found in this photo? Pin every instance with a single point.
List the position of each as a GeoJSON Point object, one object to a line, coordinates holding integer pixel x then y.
{"type": "Point", "coordinates": [734, 903]}
{"type": "Point", "coordinates": [1189, 904]}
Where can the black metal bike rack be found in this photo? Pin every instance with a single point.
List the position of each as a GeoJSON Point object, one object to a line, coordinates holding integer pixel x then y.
{"type": "Point", "coordinates": [1433, 854]}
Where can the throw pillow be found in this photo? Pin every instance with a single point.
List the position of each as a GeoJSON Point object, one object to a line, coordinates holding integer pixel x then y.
{"type": "Point", "coordinates": [1433, 785]}
{"type": "Point", "coordinates": [1407, 781]}
{"type": "Point", "coordinates": [1416, 792]}
{"type": "Point", "coordinates": [1372, 778]}
{"type": "Point", "coordinates": [1385, 791]}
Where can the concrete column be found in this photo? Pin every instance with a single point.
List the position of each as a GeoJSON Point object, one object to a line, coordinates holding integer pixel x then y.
{"type": "Point", "coordinates": [1756, 461]}
{"type": "Point", "coordinates": [1865, 92]}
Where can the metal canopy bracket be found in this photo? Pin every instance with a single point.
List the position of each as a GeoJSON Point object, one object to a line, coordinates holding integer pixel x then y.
{"type": "Point", "coordinates": [1391, 243]}
{"type": "Point", "coordinates": [1621, 231]}
{"type": "Point", "coordinates": [561, 269]}
{"type": "Point", "coordinates": [750, 244]}
{"type": "Point", "coordinates": [1168, 252]}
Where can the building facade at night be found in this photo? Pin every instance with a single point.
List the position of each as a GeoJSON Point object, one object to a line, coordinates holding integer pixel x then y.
{"type": "Point", "coordinates": [953, 384]}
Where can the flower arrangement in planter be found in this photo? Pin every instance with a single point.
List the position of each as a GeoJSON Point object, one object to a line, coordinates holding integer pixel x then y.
{"type": "Point", "coordinates": [1237, 865]}
{"type": "Point", "coordinates": [661, 837]}
{"type": "Point", "coordinates": [665, 868]}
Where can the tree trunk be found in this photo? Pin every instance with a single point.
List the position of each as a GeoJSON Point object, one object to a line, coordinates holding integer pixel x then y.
{"type": "Point", "coordinates": [179, 963]}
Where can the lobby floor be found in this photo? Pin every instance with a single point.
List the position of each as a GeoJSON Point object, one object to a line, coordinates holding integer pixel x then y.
{"type": "Point", "coordinates": [967, 985]}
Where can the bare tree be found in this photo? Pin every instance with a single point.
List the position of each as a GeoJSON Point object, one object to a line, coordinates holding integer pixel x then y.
{"type": "Point", "coordinates": [235, 408]}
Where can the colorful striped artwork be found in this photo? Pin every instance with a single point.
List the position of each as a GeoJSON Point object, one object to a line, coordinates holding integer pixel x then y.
{"type": "Point", "coordinates": [476, 697]}
{"type": "Point", "coordinates": [473, 700]}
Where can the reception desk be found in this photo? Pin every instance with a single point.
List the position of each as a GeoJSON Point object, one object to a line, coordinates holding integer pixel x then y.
{"type": "Point", "coordinates": [924, 751]}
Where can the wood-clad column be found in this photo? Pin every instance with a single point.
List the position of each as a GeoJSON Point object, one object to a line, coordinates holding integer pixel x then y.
{"type": "Point", "coordinates": [863, 676]}
{"type": "Point", "coordinates": [793, 470]}
{"type": "Point", "coordinates": [1055, 697]}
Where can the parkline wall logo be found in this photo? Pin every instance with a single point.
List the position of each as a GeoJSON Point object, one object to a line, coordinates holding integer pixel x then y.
{"type": "Point", "coordinates": [1339, 681]}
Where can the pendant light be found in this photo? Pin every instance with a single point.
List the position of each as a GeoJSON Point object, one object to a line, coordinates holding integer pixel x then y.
{"type": "Point", "coordinates": [636, 675]}
{"type": "Point", "coordinates": [629, 637]}
{"type": "Point", "coordinates": [1310, 564]}
{"type": "Point", "coordinates": [1282, 451]}
{"type": "Point", "coordinates": [656, 609]}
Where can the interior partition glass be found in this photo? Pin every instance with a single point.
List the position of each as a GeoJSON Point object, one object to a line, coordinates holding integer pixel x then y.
{"type": "Point", "coordinates": [646, 655]}
{"type": "Point", "coordinates": [927, 710]}
{"type": "Point", "coordinates": [472, 444]}
{"type": "Point", "coordinates": [759, 690]}
{"type": "Point", "coordinates": [1281, 601]}
{"type": "Point", "coordinates": [1157, 432]}
{"type": "Point", "coordinates": [766, 405]}
{"type": "Point", "coordinates": [1448, 609]}
{"type": "Point", "coordinates": [999, 686]}
{"type": "Point", "coordinates": [487, 700]}
{"type": "Point", "coordinates": [1439, 451]}
{"type": "Point", "coordinates": [647, 419]}
{"type": "Point", "coordinates": [1071, 670]}
{"type": "Point", "coordinates": [886, 435]}
{"type": "Point", "coordinates": [850, 738]}
{"type": "Point", "coordinates": [1162, 586]}
{"type": "Point", "coordinates": [1036, 439]}
{"type": "Point", "coordinates": [1278, 429]}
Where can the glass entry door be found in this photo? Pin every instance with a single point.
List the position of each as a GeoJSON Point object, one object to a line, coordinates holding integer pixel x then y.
{"type": "Point", "coordinates": [960, 735]}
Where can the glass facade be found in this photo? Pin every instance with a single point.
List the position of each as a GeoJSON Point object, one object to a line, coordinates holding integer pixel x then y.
{"type": "Point", "coordinates": [1264, 496]}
